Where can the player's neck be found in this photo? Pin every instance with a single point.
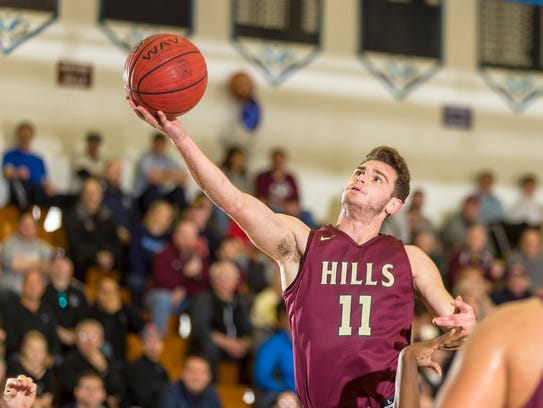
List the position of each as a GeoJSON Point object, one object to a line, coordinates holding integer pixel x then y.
{"type": "Point", "coordinates": [359, 231]}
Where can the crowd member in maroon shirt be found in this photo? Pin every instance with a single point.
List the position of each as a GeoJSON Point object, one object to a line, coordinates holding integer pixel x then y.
{"type": "Point", "coordinates": [330, 276]}
{"type": "Point", "coordinates": [179, 272]}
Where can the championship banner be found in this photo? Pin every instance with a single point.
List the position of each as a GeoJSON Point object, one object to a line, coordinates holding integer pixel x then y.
{"type": "Point", "coordinates": [127, 22]}
{"type": "Point", "coordinates": [22, 19]}
{"type": "Point", "coordinates": [279, 36]}
{"type": "Point", "coordinates": [510, 49]}
{"type": "Point", "coordinates": [401, 41]}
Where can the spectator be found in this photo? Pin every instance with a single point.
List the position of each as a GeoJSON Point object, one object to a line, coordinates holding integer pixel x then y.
{"type": "Point", "coordinates": [179, 273]}
{"type": "Point", "coordinates": [91, 232]}
{"type": "Point", "coordinates": [89, 357]}
{"type": "Point", "coordinates": [33, 362]}
{"type": "Point", "coordinates": [286, 399]}
{"type": "Point", "coordinates": [456, 227]}
{"type": "Point", "coordinates": [28, 314]}
{"type": "Point", "coordinates": [23, 251]}
{"type": "Point", "coordinates": [200, 212]}
{"type": "Point", "coordinates": [26, 172]}
{"type": "Point", "coordinates": [66, 297]}
{"type": "Point", "coordinates": [116, 317]}
{"type": "Point", "coordinates": [473, 252]}
{"type": "Point", "coordinates": [146, 378]}
{"type": "Point", "coordinates": [119, 203]}
{"type": "Point", "coordinates": [234, 167]}
{"type": "Point", "coordinates": [194, 389]}
{"type": "Point", "coordinates": [158, 176]}
{"type": "Point", "coordinates": [89, 163]}
{"type": "Point", "coordinates": [472, 286]}
{"type": "Point", "coordinates": [517, 285]}
{"type": "Point", "coordinates": [89, 391]}
{"type": "Point", "coordinates": [530, 254]}
{"type": "Point", "coordinates": [278, 188]}
{"type": "Point", "coordinates": [492, 210]}
{"type": "Point", "coordinates": [220, 319]}
{"type": "Point", "coordinates": [273, 368]}
{"type": "Point", "coordinates": [263, 313]}
{"type": "Point", "coordinates": [150, 237]}
{"type": "Point", "coordinates": [527, 209]}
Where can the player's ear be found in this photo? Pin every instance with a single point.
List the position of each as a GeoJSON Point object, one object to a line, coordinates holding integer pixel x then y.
{"type": "Point", "coordinates": [393, 206]}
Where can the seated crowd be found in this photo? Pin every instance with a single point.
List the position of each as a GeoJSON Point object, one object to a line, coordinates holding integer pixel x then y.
{"type": "Point", "coordinates": [151, 298]}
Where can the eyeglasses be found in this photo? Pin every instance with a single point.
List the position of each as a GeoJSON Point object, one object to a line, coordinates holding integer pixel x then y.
{"type": "Point", "coordinates": [88, 336]}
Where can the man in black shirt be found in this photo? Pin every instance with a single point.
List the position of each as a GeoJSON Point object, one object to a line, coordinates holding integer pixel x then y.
{"type": "Point", "coordinates": [145, 378]}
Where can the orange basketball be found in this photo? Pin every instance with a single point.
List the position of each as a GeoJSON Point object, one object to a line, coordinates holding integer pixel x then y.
{"type": "Point", "coordinates": [165, 72]}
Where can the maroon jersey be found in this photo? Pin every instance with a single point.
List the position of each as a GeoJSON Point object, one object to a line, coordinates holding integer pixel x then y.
{"type": "Point", "coordinates": [536, 400]}
{"type": "Point", "coordinates": [350, 309]}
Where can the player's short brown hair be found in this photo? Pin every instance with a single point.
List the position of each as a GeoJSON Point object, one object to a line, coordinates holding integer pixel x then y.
{"type": "Point", "coordinates": [390, 156]}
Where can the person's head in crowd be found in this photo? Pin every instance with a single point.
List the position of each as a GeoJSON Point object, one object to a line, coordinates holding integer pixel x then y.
{"type": "Point", "coordinates": [471, 208]}
{"type": "Point", "coordinates": [485, 181]}
{"type": "Point", "coordinates": [108, 294]}
{"type": "Point", "coordinates": [196, 374]}
{"type": "Point", "coordinates": [185, 236]}
{"type": "Point", "coordinates": [528, 184]}
{"type": "Point", "coordinates": [476, 238]}
{"type": "Point", "coordinates": [34, 348]}
{"type": "Point", "coordinates": [152, 343]}
{"type": "Point", "coordinates": [159, 144]}
{"type": "Point", "coordinates": [427, 241]}
{"type": "Point", "coordinates": [159, 217]}
{"type": "Point", "coordinates": [89, 336]}
{"type": "Point", "coordinates": [279, 159]}
{"type": "Point", "coordinates": [24, 134]}
{"type": "Point", "coordinates": [230, 249]}
{"type": "Point", "coordinates": [60, 271]}
{"type": "Point", "coordinates": [224, 279]}
{"type": "Point", "coordinates": [199, 211]}
{"type": "Point", "coordinates": [91, 195]}
{"type": "Point", "coordinates": [417, 200]}
{"type": "Point", "coordinates": [93, 140]}
{"type": "Point", "coordinates": [286, 399]}
{"type": "Point", "coordinates": [234, 160]}
{"type": "Point", "coordinates": [113, 172]}
{"type": "Point", "coordinates": [33, 286]}
{"type": "Point", "coordinates": [474, 289]}
{"type": "Point", "coordinates": [530, 242]}
{"type": "Point", "coordinates": [90, 390]}
{"type": "Point", "coordinates": [517, 279]}
{"type": "Point", "coordinates": [27, 227]}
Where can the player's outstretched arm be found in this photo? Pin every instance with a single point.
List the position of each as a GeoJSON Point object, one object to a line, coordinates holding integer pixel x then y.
{"type": "Point", "coordinates": [19, 392]}
{"type": "Point", "coordinates": [418, 355]}
{"type": "Point", "coordinates": [447, 312]}
{"type": "Point", "coordinates": [271, 232]}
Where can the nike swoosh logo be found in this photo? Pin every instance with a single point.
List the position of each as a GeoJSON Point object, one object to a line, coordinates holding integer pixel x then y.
{"type": "Point", "coordinates": [327, 238]}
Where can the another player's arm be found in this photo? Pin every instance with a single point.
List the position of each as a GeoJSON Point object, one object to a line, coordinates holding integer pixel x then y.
{"type": "Point", "coordinates": [280, 236]}
{"type": "Point", "coordinates": [428, 283]}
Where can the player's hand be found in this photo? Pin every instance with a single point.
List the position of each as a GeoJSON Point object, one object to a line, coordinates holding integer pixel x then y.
{"type": "Point", "coordinates": [463, 318]}
{"type": "Point", "coordinates": [160, 122]}
{"type": "Point", "coordinates": [423, 351]}
{"type": "Point", "coordinates": [19, 392]}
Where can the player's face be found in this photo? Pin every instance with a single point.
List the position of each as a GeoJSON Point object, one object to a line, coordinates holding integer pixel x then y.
{"type": "Point", "coordinates": [370, 186]}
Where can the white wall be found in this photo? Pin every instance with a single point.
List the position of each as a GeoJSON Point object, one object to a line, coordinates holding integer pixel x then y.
{"type": "Point", "coordinates": [328, 115]}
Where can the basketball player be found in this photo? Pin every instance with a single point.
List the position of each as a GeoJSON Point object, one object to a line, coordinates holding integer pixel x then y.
{"type": "Point", "coordinates": [348, 289]}
{"type": "Point", "coordinates": [19, 392]}
{"type": "Point", "coordinates": [501, 364]}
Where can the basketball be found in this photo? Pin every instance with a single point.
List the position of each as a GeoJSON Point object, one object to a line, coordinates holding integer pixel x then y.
{"type": "Point", "coordinates": [165, 72]}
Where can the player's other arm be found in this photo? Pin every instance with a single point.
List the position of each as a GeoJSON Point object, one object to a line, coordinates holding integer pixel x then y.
{"type": "Point", "coordinates": [279, 236]}
{"type": "Point", "coordinates": [448, 312]}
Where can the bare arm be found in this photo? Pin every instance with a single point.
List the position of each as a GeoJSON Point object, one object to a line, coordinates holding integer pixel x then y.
{"type": "Point", "coordinates": [427, 281]}
{"type": "Point", "coordinates": [277, 235]}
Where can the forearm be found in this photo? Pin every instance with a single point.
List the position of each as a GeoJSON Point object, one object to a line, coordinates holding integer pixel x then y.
{"type": "Point", "coordinates": [407, 382]}
{"type": "Point", "coordinates": [206, 174]}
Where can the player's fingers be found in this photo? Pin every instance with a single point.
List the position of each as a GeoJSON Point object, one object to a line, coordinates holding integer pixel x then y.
{"type": "Point", "coordinates": [436, 367]}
